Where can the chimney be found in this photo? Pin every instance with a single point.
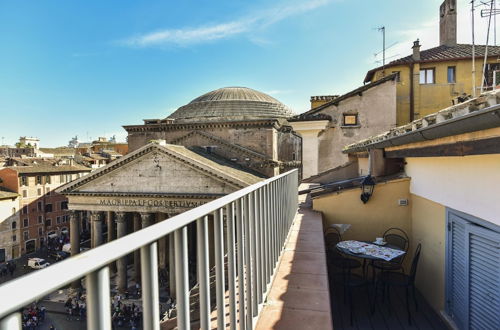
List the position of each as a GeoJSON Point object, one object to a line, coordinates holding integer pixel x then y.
{"type": "Point", "coordinates": [448, 23]}
{"type": "Point", "coordinates": [416, 50]}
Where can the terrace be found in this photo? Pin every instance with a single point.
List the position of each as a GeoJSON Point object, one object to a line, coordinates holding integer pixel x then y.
{"type": "Point", "coordinates": [270, 271]}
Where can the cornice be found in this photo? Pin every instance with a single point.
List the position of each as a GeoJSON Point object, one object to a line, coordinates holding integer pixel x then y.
{"type": "Point", "coordinates": [275, 123]}
{"type": "Point", "coordinates": [146, 195]}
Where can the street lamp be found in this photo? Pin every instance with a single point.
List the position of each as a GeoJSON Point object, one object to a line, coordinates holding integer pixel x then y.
{"type": "Point", "coordinates": [367, 186]}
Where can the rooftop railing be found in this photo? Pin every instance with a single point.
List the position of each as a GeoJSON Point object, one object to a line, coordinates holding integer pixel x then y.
{"type": "Point", "coordinates": [257, 221]}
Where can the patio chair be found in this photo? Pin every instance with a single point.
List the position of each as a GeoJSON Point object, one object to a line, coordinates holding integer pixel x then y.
{"type": "Point", "coordinates": [398, 238]}
{"type": "Point", "coordinates": [350, 282]}
{"type": "Point", "coordinates": [335, 258]}
{"type": "Point", "coordinates": [389, 279]}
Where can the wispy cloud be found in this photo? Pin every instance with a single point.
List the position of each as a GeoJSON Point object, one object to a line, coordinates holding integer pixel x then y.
{"type": "Point", "coordinates": [195, 35]}
{"type": "Point", "coordinates": [279, 92]}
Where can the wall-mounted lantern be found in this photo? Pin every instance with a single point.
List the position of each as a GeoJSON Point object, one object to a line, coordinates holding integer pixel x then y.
{"type": "Point", "coordinates": [367, 186]}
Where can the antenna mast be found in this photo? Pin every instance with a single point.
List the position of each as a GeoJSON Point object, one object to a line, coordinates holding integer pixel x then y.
{"type": "Point", "coordinates": [382, 29]}
{"type": "Point", "coordinates": [473, 53]}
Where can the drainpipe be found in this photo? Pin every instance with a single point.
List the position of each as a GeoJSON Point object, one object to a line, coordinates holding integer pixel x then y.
{"type": "Point", "coordinates": [412, 96]}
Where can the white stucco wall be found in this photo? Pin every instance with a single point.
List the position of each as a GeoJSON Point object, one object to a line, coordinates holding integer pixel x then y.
{"type": "Point", "coordinates": [468, 184]}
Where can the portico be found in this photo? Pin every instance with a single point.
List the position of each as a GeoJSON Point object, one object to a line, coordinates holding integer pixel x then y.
{"type": "Point", "coordinates": [149, 185]}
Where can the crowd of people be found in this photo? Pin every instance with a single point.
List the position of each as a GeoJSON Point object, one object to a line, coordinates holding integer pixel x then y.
{"type": "Point", "coordinates": [125, 314]}
{"type": "Point", "coordinates": [33, 316]}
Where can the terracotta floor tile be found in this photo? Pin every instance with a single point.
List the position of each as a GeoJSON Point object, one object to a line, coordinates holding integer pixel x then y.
{"type": "Point", "coordinates": [300, 299]}
{"type": "Point", "coordinates": [304, 267]}
{"type": "Point", "coordinates": [301, 281]}
{"type": "Point", "coordinates": [305, 246]}
{"type": "Point", "coordinates": [289, 319]}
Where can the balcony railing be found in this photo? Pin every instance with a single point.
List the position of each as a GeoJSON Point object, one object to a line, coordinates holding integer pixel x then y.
{"type": "Point", "coordinates": [257, 222]}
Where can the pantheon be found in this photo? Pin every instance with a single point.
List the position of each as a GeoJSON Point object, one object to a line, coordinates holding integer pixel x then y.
{"type": "Point", "coordinates": [218, 143]}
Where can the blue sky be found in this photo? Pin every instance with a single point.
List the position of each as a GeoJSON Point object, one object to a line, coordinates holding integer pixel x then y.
{"type": "Point", "coordinates": [88, 67]}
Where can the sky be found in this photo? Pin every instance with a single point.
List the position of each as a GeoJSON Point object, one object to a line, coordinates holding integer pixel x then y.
{"type": "Point", "coordinates": [86, 67]}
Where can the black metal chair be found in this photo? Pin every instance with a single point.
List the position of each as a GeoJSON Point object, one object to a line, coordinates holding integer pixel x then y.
{"type": "Point", "coordinates": [398, 238]}
{"type": "Point", "coordinates": [391, 278]}
{"type": "Point", "coordinates": [335, 258]}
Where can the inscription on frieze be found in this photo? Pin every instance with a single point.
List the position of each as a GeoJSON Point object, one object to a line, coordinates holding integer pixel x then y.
{"type": "Point", "coordinates": [150, 203]}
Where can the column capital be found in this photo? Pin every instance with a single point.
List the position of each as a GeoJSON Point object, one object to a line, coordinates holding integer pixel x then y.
{"type": "Point", "coordinates": [95, 216]}
{"type": "Point", "coordinates": [120, 217]}
{"type": "Point", "coordinates": [146, 218]}
{"type": "Point", "coordinates": [73, 215]}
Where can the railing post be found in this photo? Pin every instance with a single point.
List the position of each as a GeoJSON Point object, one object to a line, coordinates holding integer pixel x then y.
{"type": "Point", "coordinates": [240, 262]}
{"type": "Point", "coordinates": [149, 279]}
{"type": "Point", "coordinates": [203, 271]}
{"type": "Point", "coordinates": [181, 278]}
{"type": "Point", "coordinates": [12, 321]}
{"type": "Point", "coordinates": [258, 248]}
{"type": "Point", "coordinates": [231, 266]}
{"type": "Point", "coordinates": [219, 268]}
{"type": "Point", "coordinates": [98, 301]}
{"type": "Point", "coordinates": [248, 262]}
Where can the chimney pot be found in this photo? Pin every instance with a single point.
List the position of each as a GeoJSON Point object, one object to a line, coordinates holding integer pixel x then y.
{"type": "Point", "coordinates": [416, 50]}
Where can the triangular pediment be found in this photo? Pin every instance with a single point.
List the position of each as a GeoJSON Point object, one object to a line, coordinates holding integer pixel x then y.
{"type": "Point", "coordinates": [162, 170]}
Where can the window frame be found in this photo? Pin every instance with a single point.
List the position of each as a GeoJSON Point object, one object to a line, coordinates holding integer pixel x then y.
{"type": "Point", "coordinates": [356, 121]}
{"type": "Point", "coordinates": [26, 222]}
{"type": "Point", "coordinates": [454, 74]}
{"type": "Point", "coordinates": [425, 70]}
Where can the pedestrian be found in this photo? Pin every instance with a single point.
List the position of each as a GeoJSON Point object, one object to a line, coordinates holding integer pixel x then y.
{"type": "Point", "coordinates": [52, 327]}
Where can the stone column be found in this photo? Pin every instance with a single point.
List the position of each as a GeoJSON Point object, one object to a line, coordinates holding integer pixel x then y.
{"type": "Point", "coordinates": [171, 265]}
{"type": "Point", "coordinates": [121, 264]}
{"type": "Point", "coordinates": [162, 244]}
{"type": "Point", "coordinates": [74, 238]}
{"type": "Point", "coordinates": [96, 219]}
{"type": "Point", "coordinates": [146, 220]}
{"type": "Point", "coordinates": [111, 235]}
{"type": "Point", "coordinates": [137, 253]}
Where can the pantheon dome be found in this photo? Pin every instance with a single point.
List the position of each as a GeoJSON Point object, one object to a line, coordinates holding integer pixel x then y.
{"type": "Point", "coordinates": [231, 104]}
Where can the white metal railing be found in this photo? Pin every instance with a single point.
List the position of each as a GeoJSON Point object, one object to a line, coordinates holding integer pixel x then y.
{"type": "Point", "coordinates": [258, 219]}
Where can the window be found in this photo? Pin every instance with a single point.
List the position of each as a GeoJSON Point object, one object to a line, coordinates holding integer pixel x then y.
{"type": "Point", "coordinates": [350, 119]}
{"type": "Point", "coordinates": [39, 206]}
{"type": "Point", "coordinates": [427, 76]}
{"type": "Point", "coordinates": [14, 238]}
{"type": "Point", "coordinates": [38, 179]}
{"type": "Point", "coordinates": [58, 220]}
{"type": "Point", "coordinates": [13, 210]}
{"type": "Point", "coordinates": [47, 189]}
{"type": "Point", "coordinates": [24, 180]}
{"type": "Point", "coordinates": [48, 222]}
{"type": "Point", "coordinates": [14, 225]}
{"type": "Point", "coordinates": [47, 179]}
{"type": "Point", "coordinates": [398, 75]}
{"type": "Point", "coordinates": [40, 219]}
{"type": "Point", "coordinates": [25, 223]}
{"type": "Point", "coordinates": [26, 235]}
{"type": "Point", "coordinates": [64, 205]}
{"type": "Point", "coordinates": [48, 207]}
{"type": "Point", "coordinates": [65, 218]}
{"type": "Point", "coordinates": [40, 231]}
{"type": "Point", "coordinates": [39, 191]}
{"type": "Point", "coordinates": [451, 75]}
{"type": "Point", "coordinates": [25, 193]}
{"type": "Point", "coordinates": [61, 178]}
{"type": "Point", "coordinates": [25, 210]}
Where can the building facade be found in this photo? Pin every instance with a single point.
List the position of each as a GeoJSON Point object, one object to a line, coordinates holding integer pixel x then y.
{"type": "Point", "coordinates": [42, 211]}
{"type": "Point", "coordinates": [342, 120]}
{"type": "Point", "coordinates": [9, 229]}
{"type": "Point", "coordinates": [220, 142]}
{"type": "Point", "coordinates": [438, 77]}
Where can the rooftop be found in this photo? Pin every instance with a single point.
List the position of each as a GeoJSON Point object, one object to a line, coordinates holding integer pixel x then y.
{"type": "Point", "coordinates": [472, 115]}
{"type": "Point", "coordinates": [231, 103]}
{"type": "Point", "coordinates": [441, 53]}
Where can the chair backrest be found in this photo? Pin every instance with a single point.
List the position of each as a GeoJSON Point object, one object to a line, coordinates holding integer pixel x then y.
{"type": "Point", "coordinates": [397, 237]}
{"type": "Point", "coordinates": [414, 263]}
{"type": "Point", "coordinates": [332, 237]}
